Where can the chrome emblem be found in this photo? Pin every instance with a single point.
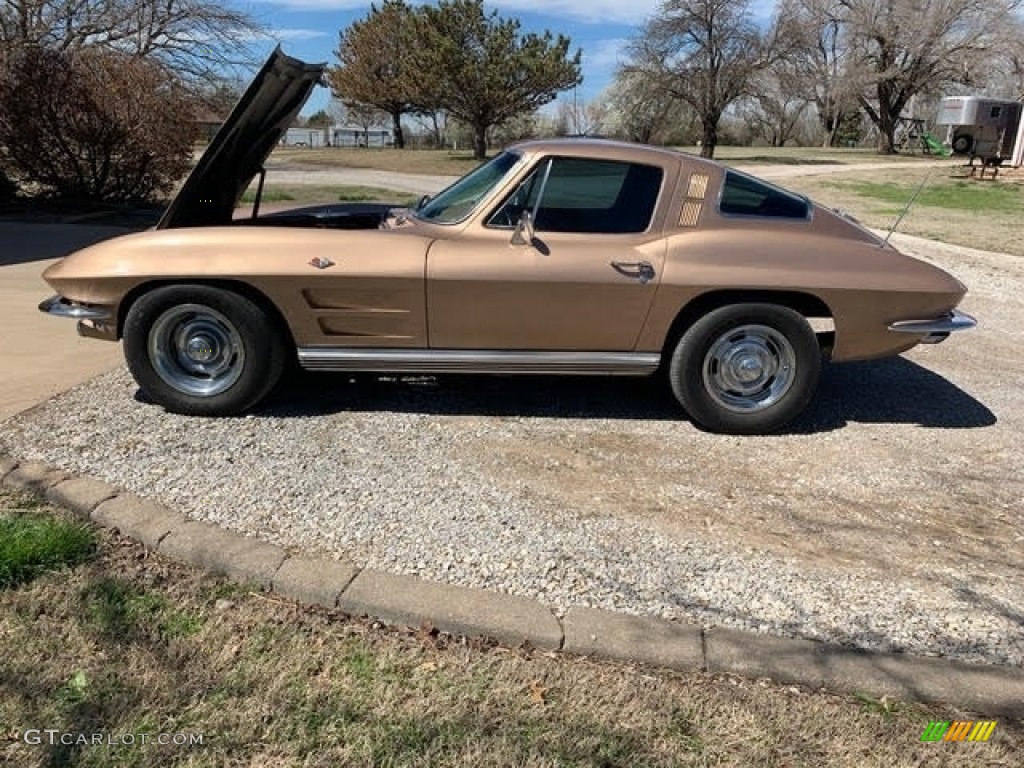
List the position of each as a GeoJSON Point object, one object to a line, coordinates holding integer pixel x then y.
{"type": "Point", "coordinates": [321, 263]}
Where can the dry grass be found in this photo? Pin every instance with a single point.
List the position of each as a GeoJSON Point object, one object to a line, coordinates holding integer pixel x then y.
{"type": "Point", "coordinates": [132, 644]}
{"type": "Point", "coordinates": [451, 163]}
{"type": "Point", "coordinates": [319, 193]}
{"type": "Point", "coordinates": [804, 156]}
{"type": "Point", "coordinates": [976, 213]}
{"type": "Point", "coordinates": [425, 161]}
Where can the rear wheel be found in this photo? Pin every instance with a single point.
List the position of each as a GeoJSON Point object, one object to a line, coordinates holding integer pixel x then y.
{"type": "Point", "coordinates": [746, 368]}
{"type": "Point", "coordinates": [963, 143]}
{"type": "Point", "coordinates": [203, 351]}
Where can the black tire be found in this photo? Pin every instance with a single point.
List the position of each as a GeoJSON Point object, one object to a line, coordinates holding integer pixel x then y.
{"type": "Point", "coordinates": [771, 345]}
{"type": "Point", "coordinates": [203, 351]}
{"type": "Point", "coordinates": [963, 144]}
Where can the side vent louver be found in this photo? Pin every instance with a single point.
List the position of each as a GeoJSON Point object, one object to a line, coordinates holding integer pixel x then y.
{"type": "Point", "coordinates": [694, 203]}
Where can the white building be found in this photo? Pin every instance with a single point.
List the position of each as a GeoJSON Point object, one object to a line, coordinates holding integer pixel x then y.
{"type": "Point", "coordinates": [357, 136]}
{"type": "Point", "coordinates": [304, 137]}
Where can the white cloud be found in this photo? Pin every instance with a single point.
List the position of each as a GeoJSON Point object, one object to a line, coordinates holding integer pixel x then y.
{"type": "Point", "coordinates": [297, 34]}
{"type": "Point", "coordinates": [321, 5]}
{"type": "Point", "coordinates": [603, 56]}
{"type": "Point", "coordinates": [589, 11]}
{"type": "Point", "coordinates": [286, 33]}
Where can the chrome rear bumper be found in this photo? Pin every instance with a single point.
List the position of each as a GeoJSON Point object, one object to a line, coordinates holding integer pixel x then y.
{"type": "Point", "coordinates": [936, 329]}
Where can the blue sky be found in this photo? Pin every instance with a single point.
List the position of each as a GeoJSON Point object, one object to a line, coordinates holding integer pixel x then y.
{"type": "Point", "coordinates": [309, 29]}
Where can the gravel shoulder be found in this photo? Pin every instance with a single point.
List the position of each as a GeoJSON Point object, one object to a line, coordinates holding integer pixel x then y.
{"type": "Point", "coordinates": [890, 517]}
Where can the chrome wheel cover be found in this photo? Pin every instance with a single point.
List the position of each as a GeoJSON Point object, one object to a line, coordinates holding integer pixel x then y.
{"type": "Point", "coordinates": [749, 368]}
{"type": "Point", "coordinates": [196, 350]}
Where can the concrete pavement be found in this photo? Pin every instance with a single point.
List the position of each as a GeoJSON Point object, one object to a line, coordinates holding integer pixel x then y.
{"type": "Point", "coordinates": [41, 356]}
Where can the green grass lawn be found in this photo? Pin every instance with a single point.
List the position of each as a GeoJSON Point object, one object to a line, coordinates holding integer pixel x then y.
{"type": "Point", "coordinates": [127, 642]}
{"type": "Point", "coordinates": [976, 213]}
{"type": "Point", "coordinates": [944, 193]}
{"type": "Point", "coordinates": [32, 544]}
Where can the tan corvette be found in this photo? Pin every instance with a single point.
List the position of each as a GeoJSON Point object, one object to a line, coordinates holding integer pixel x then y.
{"type": "Point", "coordinates": [566, 257]}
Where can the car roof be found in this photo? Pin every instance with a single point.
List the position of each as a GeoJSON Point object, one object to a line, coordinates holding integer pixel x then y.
{"type": "Point", "coordinates": [606, 149]}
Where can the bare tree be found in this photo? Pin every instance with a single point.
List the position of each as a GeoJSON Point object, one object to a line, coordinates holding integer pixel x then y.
{"type": "Point", "coordinates": [191, 37]}
{"type": "Point", "coordinates": [776, 109]}
{"type": "Point", "coordinates": [817, 61]}
{"type": "Point", "coordinates": [639, 109]}
{"type": "Point", "coordinates": [518, 128]}
{"type": "Point", "coordinates": [703, 52]}
{"type": "Point", "coordinates": [576, 117]}
{"type": "Point", "coordinates": [900, 48]}
{"type": "Point", "coordinates": [1005, 75]}
{"type": "Point", "coordinates": [367, 117]}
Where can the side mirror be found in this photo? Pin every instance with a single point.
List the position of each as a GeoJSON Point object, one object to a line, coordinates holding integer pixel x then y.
{"type": "Point", "coordinates": [422, 201]}
{"type": "Point", "coordinates": [523, 234]}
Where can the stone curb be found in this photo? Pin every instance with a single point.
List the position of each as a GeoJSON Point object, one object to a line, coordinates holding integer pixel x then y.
{"type": "Point", "coordinates": [459, 610]}
{"type": "Point", "coordinates": [988, 689]}
{"type": "Point", "coordinates": [80, 494]}
{"type": "Point", "coordinates": [137, 518]}
{"type": "Point", "coordinates": [239, 557]}
{"type": "Point", "coordinates": [594, 632]}
{"type": "Point", "coordinates": [33, 477]}
{"type": "Point", "coordinates": [319, 582]}
{"type": "Point", "coordinates": [992, 691]}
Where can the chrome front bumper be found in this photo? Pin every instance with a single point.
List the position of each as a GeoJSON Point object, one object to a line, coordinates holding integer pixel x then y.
{"type": "Point", "coordinates": [936, 329]}
{"type": "Point", "coordinates": [93, 322]}
{"type": "Point", "coordinates": [58, 306]}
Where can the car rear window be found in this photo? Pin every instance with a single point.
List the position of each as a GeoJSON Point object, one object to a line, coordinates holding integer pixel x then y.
{"type": "Point", "coordinates": [744, 195]}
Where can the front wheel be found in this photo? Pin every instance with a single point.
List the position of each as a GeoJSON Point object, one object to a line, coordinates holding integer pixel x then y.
{"type": "Point", "coordinates": [203, 351]}
{"type": "Point", "coordinates": [746, 368]}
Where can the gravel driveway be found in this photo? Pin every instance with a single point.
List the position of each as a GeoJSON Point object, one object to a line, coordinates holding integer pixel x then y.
{"type": "Point", "coordinates": [890, 517]}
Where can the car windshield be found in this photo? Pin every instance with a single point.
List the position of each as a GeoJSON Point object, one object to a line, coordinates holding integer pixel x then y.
{"type": "Point", "coordinates": [456, 202]}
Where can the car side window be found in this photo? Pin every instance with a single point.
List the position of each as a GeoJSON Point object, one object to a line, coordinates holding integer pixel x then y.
{"type": "Point", "coordinates": [744, 195]}
{"type": "Point", "coordinates": [585, 195]}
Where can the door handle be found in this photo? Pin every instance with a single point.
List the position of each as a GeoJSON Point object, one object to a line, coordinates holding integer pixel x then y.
{"type": "Point", "coordinates": [641, 270]}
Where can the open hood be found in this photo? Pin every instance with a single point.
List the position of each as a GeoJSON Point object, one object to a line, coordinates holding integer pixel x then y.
{"type": "Point", "coordinates": [237, 153]}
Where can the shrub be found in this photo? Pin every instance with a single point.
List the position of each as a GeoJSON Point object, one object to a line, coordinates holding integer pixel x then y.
{"type": "Point", "coordinates": [93, 124]}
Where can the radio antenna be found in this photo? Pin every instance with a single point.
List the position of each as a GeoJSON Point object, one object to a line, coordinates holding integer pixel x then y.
{"type": "Point", "coordinates": [913, 199]}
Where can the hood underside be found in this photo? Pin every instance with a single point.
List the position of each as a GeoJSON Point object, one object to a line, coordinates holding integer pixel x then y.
{"type": "Point", "coordinates": [243, 143]}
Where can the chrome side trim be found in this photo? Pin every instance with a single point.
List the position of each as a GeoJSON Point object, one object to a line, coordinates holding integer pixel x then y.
{"type": "Point", "coordinates": [58, 306]}
{"type": "Point", "coordinates": [954, 321]}
{"type": "Point", "coordinates": [477, 361]}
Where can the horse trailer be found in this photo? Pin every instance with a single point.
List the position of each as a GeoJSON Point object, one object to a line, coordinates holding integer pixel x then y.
{"type": "Point", "coordinates": [987, 129]}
